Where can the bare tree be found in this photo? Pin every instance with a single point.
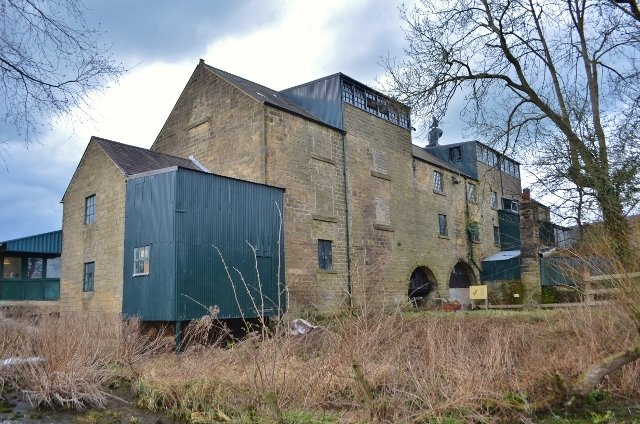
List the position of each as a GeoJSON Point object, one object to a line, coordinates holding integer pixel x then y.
{"type": "Point", "coordinates": [629, 7]}
{"type": "Point", "coordinates": [554, 77]}
{"type": "Point", "coordinates": [50, 62]}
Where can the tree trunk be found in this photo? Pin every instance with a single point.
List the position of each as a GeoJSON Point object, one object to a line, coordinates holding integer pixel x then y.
{"type": "Point", "coordinates": [590, 379]}
{"type": "Point", "coordinates": [617, 227]}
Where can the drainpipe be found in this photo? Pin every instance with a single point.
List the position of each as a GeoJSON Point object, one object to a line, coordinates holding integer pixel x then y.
{"type": "Point", "coordinates": [469, 241]}
{"type": "Point", "coordinates": [346, 214]}
{"type": "Point", "coordinates": [264, 141]}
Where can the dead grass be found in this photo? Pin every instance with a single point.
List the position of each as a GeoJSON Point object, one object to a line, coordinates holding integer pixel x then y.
{"type": "Point", "coordinates": [73, 356]}
{"type": "Point", "coordinates": [392, 367]}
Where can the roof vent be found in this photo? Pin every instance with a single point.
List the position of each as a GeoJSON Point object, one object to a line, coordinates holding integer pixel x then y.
{"type": "Point", "coordinates": [434, 133]}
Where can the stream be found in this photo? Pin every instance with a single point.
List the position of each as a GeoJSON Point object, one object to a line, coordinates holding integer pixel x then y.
{"type": "Point", "coordinates": [15, 409]}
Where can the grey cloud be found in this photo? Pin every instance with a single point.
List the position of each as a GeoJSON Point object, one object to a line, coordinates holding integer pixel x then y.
{"type": "Point", "coordinates": [32, 186]}
{"type": "Point", "coordinates": [169, 30]}
{"type": "Point", "coordinates": [366, 35]}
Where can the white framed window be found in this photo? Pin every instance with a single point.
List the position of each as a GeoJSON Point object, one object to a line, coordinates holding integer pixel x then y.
{"type": "Point", "coordinates": [141, 260]}
{"type": "Point", "coordinates": [438, 182]}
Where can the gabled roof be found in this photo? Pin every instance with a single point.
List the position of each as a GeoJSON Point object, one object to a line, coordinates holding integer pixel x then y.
{"type": "Point", "coordinates": [50, 243]}
{"type": "Point", "coordinates": [135, 160]}
{"type": "Point", "coordinates": [263, 94]}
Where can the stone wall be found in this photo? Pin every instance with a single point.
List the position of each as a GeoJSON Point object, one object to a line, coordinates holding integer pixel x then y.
{"type": "Point", "coordinates": [393, 210]}
{"type": "Point", "coordinates": [306, 159]}
{"type": "Point", "coordinates": [101, 242]}
{"type": "Point", "coordinates": [220, 125]}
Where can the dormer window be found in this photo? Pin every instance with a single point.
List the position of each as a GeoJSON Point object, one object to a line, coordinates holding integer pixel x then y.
{"type": "Point", "coordinates": [455, 154]}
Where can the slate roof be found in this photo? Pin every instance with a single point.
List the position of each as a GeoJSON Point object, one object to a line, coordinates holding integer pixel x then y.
{"type": "Point", "coordinates": [133, 160]}
{"type": "Point", "coordinates": [263, 94]}
{"type": "Point", "coordinates": [425, 155]}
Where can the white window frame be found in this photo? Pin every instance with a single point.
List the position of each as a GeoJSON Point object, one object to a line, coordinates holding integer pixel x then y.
{"type": "Point", "coordinates": [141, 255]}
{"type": "Point", "coordinates": [438, 177]}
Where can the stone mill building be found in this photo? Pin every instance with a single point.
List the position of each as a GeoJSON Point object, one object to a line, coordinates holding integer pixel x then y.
{"type": "Point", "coordinates": [368, 216]}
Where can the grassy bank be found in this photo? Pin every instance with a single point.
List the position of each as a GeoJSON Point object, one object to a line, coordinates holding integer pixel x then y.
{"type": "Point", "coordinates": [464, 367]}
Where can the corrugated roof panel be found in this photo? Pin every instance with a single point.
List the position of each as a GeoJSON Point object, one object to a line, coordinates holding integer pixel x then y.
{"type": "Point", "coordinates": [50, 243]}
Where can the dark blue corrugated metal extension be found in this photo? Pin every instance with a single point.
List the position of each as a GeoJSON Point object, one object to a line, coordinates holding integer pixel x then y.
{"type": "Point", "coordinates": [50, 243]}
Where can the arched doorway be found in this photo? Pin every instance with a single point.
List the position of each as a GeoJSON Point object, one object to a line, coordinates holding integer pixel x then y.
{"type": "Point", "coordinates": [421, 284]}
{"type": "Point", "coordinates": [459, 281]}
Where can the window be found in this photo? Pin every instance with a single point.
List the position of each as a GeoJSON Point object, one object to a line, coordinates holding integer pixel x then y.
{"type": "Point", "coordinates": [90, 209]}
{"type": "Point", "coordinates": [474, 231]}
{"type": "Point", "coordinates": [141, 260]}
{"type": "Point", "coordinates": [486, 155]}
{"type": "Point", "coordinates": [493, 200]}
{"type": "Point", "coordinates": [365, 99]}
{"type": "Point", "coordinates": [442, 224]}
{"type": "Point", "coordinates": [53, 268]}
{"type": "Point", "coordinates": [35, 267]}
{"type": "Point", "coordinates": [438, 183]}
{"type": "Point", "coordinates": [472, 195]}
{"type": "Point", "coordinates": [89, 271]}
{"type": "Point", "coordinates": [455, 154]}
{"type": "Point", "coordinates": [510, 167]}
{"type": "Point", "coordinates": [11, 267]}
{"type": "Point", "coordinates": [510, 205]}
{"type": "Point", "coordinates": [496, 235]}
{"type": "Point", "coordinates": [324, 255]}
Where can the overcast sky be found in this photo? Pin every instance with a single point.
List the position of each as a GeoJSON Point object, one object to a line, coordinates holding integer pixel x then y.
{"type": "Point", "coordinates": [278, 44]}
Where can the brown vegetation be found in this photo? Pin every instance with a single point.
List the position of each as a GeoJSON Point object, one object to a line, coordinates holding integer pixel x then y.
{"type": "Point", "coordinates": [382, 367]}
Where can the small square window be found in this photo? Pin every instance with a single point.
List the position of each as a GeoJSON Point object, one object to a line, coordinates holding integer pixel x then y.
{"type": "Point", "coordinates": [141, 260]}
{"type": "Point", "coordinates": [472, 195]}
{"type": "Point", "coordinates": [493, 200]}
{"type": "Point", "coordinates": [496, 235]}
{"type": "Point", "coordinates": [510, 205]}
{"type": "Point", "coordinates": [325, 260]}
{"type": "Point", "coordinates": [87, 280]}
{"type": "Point", "coordinates": [90, 209]}
{"type": "Point", "coordinates": [455, 154]}
{"type": "Point", "coordinates": [438, 182]}
{"type": "Point", "coordinates": [442, 225]}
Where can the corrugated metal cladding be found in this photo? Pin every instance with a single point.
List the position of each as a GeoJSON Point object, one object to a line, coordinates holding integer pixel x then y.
{"type": "Point", "coordinates": [509, 224]}
{"type": "Point", "coordinates": [184, 216]}
{"type": "Point", "coordinates": [322, 98]}
{"type": "Point", "coordinates": [555, 271]}
{"type": "Point", "coordinates": [48, 243]}
{"type": "Point", "coordinates": [508, 269]}
{"type": "Point", "coordinates": [468, 163]}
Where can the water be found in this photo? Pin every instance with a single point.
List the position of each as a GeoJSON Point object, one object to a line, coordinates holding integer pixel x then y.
{"type": "Point", "coordinates": [17, 410]}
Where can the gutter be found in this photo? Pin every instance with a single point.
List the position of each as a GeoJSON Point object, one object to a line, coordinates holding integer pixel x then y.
{"type": "Point", "coordinates": [346, 213]}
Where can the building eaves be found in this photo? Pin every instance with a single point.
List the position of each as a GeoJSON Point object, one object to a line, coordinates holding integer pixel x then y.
{"type": "Point", "coordinates": [46, 243]}
{"type": "Point", "coordinates": [266, 95]}
{"type": "Point", "coordinates": [425, 156]}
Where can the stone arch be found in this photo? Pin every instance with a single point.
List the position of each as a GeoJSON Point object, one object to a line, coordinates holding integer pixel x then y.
{"type": "Point", "coordinates": [460, 279]}
{"type": "Point", "coordinates": [422, 285]}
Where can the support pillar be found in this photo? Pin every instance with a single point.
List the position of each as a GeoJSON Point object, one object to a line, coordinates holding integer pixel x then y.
{"type": "Point", "coordinates": [529, 250]}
